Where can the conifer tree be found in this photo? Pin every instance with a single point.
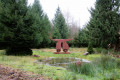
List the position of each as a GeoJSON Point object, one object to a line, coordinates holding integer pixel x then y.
{"type": "Point", "coordinates": [104, 24]}
{"type": "Point", "coordinates": [90, 48]}
{"type": "Point", "coordinates": [0, 6]}
{"type": "Point", "coordinates": [60, 25]}
{"type": "Point", "coordinates": [22, 27]}
{"type": "Point", "coordinates": [42, 25]}
{"type": "Point", "coordinates": [81, 39]}
{"type": "Point", "coordinates": [15, 25]}
{"type": "Point", "coordinates": [56, 34]}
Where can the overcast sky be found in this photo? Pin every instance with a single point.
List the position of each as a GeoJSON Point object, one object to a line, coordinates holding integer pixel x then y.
{"type": "Point", "coordinates": [78, 9]}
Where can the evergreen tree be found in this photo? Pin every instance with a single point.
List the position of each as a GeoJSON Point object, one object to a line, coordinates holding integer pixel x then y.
{"type": "Point", "coordinates": [42, 25]}
{"type": "Point", "coordinates": [104, 24]}
{"type": "Point", "coordinates": [56, 34]}
{"type": "Point", "coordinates": [46, 32]}
{"type": "Point", "coordinates": [82, 38]}
{"type": "Point", "coordinates": [60, 25]}
{"type": "Point", "coordinates": [1, 32]}
{"type": "Point", "coordinates": [21, 27]}
{"type": "Point", "coordinates": [0, 6]}
{"type": "Point", "coordinates": [15, 25]}
{"type": "Point", "coordinates": [90, 48]}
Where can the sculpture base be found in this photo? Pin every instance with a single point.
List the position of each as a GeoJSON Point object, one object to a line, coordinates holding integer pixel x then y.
{"type": "Point", "coordinates": [62, 52]}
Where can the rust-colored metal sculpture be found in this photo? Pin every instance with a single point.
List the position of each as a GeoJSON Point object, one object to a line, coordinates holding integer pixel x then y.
{"type": "Point", "coordinates": [65, 46]}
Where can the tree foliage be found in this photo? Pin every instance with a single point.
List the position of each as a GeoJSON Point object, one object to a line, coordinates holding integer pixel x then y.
{"type": "Point", "coordinates": [90, 48]}
{"type": "Point", "coordinates": [15, 25]}
{"type": "Point", "coordinates": [104, 24]}
{"type": "Point", "coordinates": [81, 39]}
{"type": "Point", "coordinates": [41, 24]}
{"type": "Point", "coordinates": [60, 26]}
{"type": "Point", "coordinates": [22, 27]}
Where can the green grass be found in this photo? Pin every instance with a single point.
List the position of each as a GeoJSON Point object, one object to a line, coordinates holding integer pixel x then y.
{"type": "Point", "coordinates": [106, 67]}
{"type": "Point", "coordinates": [75, 52]}
{"type": "Point", "coordinates": [85, 68]}
{"type": "Point", "coordinates": [27, 63]}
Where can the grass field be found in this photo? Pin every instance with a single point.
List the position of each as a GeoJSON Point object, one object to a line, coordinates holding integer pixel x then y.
{"type": "Point", "coordinates": [27, 63]}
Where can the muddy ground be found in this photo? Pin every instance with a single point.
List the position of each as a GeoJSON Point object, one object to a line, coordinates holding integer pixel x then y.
{"type": "Point", "coordinates": [8, 73]}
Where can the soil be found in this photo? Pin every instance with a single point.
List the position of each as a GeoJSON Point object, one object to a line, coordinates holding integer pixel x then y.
{"type": "Point", "coordinates": [8, 73]}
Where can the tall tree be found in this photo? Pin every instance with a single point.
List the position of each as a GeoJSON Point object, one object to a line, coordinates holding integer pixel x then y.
{"type": "Point", "coordinates": [104, 24]}
{"type": "Point", "coordinates": [20, 27]}
{"type": "Point", "coordinates": [42, 25]}
{"type": "Point", "coordinates": [15, 26]}
{"type": "Point", "coordinates": [0, 6]}
{"type": "Point", "coordinates": [81, 39]}
{"type": "Point", "coordinates": [60, 25]}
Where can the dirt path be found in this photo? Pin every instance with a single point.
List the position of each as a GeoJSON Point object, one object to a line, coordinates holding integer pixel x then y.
{"type": "Point", "coordinates": [7, 73]}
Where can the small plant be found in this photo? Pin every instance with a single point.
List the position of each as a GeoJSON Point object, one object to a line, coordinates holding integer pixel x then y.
{"type": "Point", "coordinates": [90, 48]}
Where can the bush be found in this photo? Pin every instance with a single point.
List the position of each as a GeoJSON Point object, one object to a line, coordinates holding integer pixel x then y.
{"type": "Point", "coordinates": [18, 51]}
{"type": "Point", "coordinates": [90, 48]}
{"type": "Point", "coordinates": [98, 50]}
{"type": "Point", "coordinates": [104, 51]}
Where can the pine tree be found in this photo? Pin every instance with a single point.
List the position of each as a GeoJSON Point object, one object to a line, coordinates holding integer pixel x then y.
{"type": "Point", "coordinates": [0, 6]}
{"type": "Point", "coordinates": [56, 34]}
{"type": "Point", "coordinates": [47, 27]}
{"type": "Point", "coordinates": [20, 28]}
{"type": "Point", "coordinates": [104, 24]}
{"type": "Point", "coordinates": [42, 25]}
{"type": "Point", "coordinates": [60, 24]}
{"type": "Point", "coordinates": [15, 26]}
{"type": "Point", "coordinates": [82, 39]}
{"type": "Point", "coordinates": [90, 48]}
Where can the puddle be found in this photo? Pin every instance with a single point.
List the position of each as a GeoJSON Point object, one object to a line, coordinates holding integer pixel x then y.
{"type": "Point", "coordinates": [59, 62]}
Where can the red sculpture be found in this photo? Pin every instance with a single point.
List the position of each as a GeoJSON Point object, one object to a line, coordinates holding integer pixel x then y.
{"type": "Point", "coordinates": [65, 46]}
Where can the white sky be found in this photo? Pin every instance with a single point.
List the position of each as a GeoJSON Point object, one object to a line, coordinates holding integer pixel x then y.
{"type": "Point", "coordinates": [78, 9]}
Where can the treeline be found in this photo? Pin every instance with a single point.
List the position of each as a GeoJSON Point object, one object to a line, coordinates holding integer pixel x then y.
{"type": "Point", "coordinates": [23, 27]}
{"type": "Point", "coordinates": [103, 29]}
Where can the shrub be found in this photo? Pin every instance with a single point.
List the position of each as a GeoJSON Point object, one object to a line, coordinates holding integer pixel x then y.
{"type": "Point", "coordinates": [18, 51]}
{"type": "Point", "coordinates": [116, 53]}
{"type": "Point", "coordinates": [90, 48]}
{"type": "Point", "coordinates": [104, 51]}
{"type": "Point", "coordinates": [98, 50]}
